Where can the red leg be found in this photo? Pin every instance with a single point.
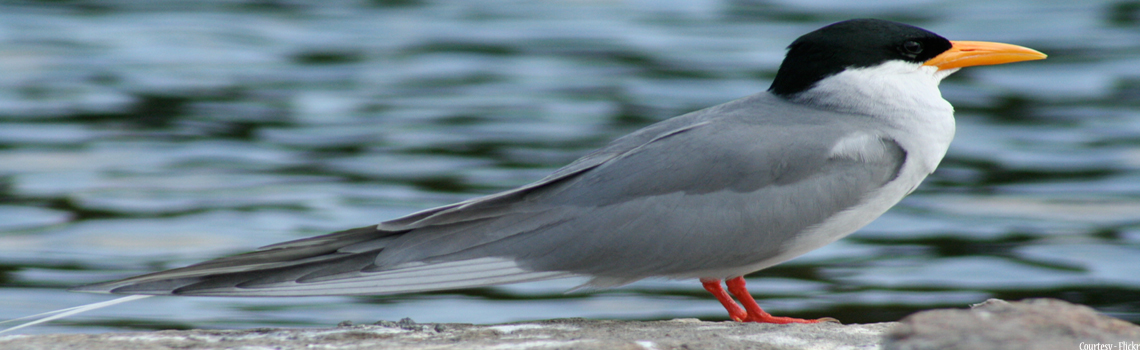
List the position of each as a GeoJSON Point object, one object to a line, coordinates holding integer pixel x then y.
{"type": "Point", "coordinates": [755, 314]}
{"type": "Point", "coordinates": [734, 310]}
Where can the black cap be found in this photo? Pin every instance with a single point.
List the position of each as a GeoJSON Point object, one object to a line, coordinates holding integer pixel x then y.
{"type": "Point", "coordinates": [854, 43]}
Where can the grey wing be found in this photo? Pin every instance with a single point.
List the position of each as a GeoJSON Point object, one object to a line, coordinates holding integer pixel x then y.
{"type": "Point", "coordinates": [497, 204]}
{"type": "Point", "coordinates": [345, 262]}
{"type": "Point", "coordinates": [694, 195]}
{"type": "Point", "coordinates": [719, 196]}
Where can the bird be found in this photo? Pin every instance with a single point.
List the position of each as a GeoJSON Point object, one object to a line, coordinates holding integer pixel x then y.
{"type": "Point", "coordinates": [853, 122]}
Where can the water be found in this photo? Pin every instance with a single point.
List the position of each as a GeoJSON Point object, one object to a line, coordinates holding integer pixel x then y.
{"type": "Point", "coordinates": [141, 135]}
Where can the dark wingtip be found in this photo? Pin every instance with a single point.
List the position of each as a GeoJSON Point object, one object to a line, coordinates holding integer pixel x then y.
{"type": "Point", "coordinates": [101, 288]}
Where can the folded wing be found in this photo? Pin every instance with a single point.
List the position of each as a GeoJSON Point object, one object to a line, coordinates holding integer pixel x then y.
{"type": "Point", "coordinates": [712, 189]}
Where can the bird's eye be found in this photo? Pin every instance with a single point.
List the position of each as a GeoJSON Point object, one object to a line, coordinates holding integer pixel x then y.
{"type": "Point", "coordinates": [912, 47]}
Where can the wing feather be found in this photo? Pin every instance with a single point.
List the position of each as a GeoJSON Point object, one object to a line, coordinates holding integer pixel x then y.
{"type": "Point", "coordinates": [705, 190]}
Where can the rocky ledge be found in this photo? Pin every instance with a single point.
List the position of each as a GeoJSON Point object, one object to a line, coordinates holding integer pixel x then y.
{"type": "Point", "coordinates": [995, 324]}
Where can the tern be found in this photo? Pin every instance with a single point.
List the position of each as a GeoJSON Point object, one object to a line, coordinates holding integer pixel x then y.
{"type": "Point", "coordinates": [852, 123]}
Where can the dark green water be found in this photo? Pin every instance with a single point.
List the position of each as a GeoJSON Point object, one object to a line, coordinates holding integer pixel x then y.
{"type": "Point", "coordinates": [143, 135]}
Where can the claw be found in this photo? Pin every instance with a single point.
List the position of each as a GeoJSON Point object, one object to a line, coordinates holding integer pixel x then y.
{"type": "Point", "coordinates": [828, 320]}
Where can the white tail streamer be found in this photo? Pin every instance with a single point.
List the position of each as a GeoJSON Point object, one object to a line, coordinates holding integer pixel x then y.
{"type": "Point", "coordinates": [62, 313]}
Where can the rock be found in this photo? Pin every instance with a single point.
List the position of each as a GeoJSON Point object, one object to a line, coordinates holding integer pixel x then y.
{"type": "Point", "coordinates": [1040, 324]}
{"type": "Point", "coordinates": [553, 334]}
{"type": "Point", "coordinates": [1030, 324]}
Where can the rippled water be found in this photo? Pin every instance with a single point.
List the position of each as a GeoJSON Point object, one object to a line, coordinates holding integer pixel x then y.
{"type": "Point", "coordinates": [143, 135]}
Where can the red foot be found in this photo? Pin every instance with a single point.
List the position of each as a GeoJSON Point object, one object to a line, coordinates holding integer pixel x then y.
{"type": "Point", "coordinates": [751, 311]}
{"type": "Point", "coordinates": [735, 312]}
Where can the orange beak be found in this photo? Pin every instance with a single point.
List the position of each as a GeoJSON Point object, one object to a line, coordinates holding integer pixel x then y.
{"type": "Point", "coordinates": [981, 53]}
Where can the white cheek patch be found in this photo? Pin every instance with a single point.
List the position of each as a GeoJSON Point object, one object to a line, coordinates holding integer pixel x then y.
{"type": "Point", "coordinates": [894, 89]}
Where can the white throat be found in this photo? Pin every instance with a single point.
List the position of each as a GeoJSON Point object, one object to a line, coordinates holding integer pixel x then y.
{"type": "Point", "coordinates": [892, 89]}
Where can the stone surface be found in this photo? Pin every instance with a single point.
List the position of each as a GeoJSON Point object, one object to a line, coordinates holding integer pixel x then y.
{"type": "Point", "coordinates": [553, 334]}
{"type": "Point", "coordinates": [1041, 324]}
